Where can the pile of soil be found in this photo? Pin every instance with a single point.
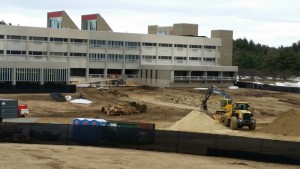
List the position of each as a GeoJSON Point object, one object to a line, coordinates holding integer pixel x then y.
{"type": "Point", "coordinates": [196, 121]}
{"type": "Point", "coordinates": [124, 109]}
{"type": "Point", "coordinates": [286, 124]}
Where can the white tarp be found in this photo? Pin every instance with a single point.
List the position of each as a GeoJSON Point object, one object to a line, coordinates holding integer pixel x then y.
{"type": "Point", "coordinates": [82, 101]}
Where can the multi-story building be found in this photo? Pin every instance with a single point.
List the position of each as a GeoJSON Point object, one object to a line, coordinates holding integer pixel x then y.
{"type": "Point", "coordinates": [48, 55]}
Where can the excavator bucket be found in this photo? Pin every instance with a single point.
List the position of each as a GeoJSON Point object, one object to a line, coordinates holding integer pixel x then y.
{"type": "Point", "coordinates": [203, 107]}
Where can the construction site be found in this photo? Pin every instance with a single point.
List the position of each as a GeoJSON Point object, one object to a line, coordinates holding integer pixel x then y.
{"type": "Point", "coordinates": [276, 114]}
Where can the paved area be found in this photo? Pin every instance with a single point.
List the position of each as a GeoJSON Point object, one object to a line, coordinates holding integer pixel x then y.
{"type": "Point", "coordinates": [21, 120]}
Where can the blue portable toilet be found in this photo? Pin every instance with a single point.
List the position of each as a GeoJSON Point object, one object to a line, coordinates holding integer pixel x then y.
{"type": "Point", "coordinates": [77, 122]}
{"type": "Point", "coordinates": [87, 130]}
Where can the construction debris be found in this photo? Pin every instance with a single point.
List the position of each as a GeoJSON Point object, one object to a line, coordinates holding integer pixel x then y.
{"type": "Point", "coordinates": [117, 93]}
{"type": "Point", "coordinates": [145, 87]}
{"type": "Point", "coordinates": [179, 99]}
{"type": "Point", "coordinates": [124, 109]}
{"type": "Point", "coordinates": [58, 97]}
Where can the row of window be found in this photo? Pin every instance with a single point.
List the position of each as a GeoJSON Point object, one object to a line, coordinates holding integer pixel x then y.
{"type": "Point", "coordinates": [101, 56]}
{"type": "Point", "coordinates": [103, 43]}
{"type": "Point", "coordinates": [115, 57]}
{"type": "Point", "coordinates": [42, 53]}
{"type": "Point", "coordinates": [44, 39]}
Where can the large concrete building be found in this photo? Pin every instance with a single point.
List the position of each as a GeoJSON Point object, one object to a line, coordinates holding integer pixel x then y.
{"type": "Point", "coordinates": [51, 55]}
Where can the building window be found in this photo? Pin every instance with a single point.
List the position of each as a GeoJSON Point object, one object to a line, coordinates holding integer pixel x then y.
{"type": "Point", "coordinates": [149, 57]}
{"type": "Point", "coordinates": [90, 25]}
{"type": "Point", "coordinates": [1, 52]}
{"type": "Point", "coordinates": [78, 54]}
{"type": "Point", "coordinates": [36, 38]}
{"type": "Point", "coordinates": [61, 54]}
{"type": "Point", "coordinates": [195, 46]}
{"type": "Point", "coordinates": [165, 45]}
{"type": "Point", "coordinates": [94, 57]}
{"type": "Point", "coordinates": [149, 44]}
{"type": "Point", "coordinates": [209, 47]}
{"type": "Point", "coordinates": [209, 59]}
{"type": "Point", "coordinates": [15, 52]}
{"type": "Point", "coordinates": [132, 58]}
{"type": "Point", "coordinates": [97, 43]}
{"type": "Point", "coordinates": [195, 58]}
{"type": "Point", "coordinates": [115, 57]}
{"type": "Point", "coordinates": [15, 37]}
{"type": "Point", "coordinates": [180, 46]}
{"type": "Point", "coordinates": [1, 36]}
{"type": "Point", "coordinates": [132, 45]}
{"type": "Point", "coordinates": [165, 57]}
{"type": "Point", "coordinates": [58, 40]}
{"type": "Point", "coordinates": [179, 58]}
{"type": "Point", "coordinates": [37, 53]}
{"type": "Point", "coordinates": [115, 44]}
{"type": "Point", "coordinates": [83, 41]}
{"type": "Point", "coordinates": [163, 33]}
{"type": "Point", "coordinates": [55, 22]}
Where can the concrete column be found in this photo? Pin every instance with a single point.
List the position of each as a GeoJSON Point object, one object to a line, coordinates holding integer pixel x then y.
{"type": "Point", "coordinates": [172, 76]}
{"type": "Point", "coordinates": [202, 54]}
{"type": "Point", "coordinates": [69, 74]}
{"type": "Point", "coordinates": [27, 47]}
{"type": "Point", "coordinates": [205, 76]}
{"type": "Point", "coordinates": [41, 76]}
{"type": "Point", "coordinates": [87, 74]}
{"type": "Point", "coordinates": [14, 82]}
{"type": "Point", "coordinates": [48, 49]}
{"type": "Point", "coordinates": [69, 49]}
{"type": "Point", "coordinates": [5, 46]}
{"type": "Point", "coordinates": [189, 73]}
{"type": "Point", "coordinates": [221, 76]}
{"type": "Point", "coordinates": [105, 72]}
{"type": "Point", "coordinates": [88, 61]}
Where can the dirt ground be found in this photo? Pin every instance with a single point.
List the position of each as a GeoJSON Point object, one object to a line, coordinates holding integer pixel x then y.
{"type": "Point", "coordinates": [16, 156]}
{"type": "Point", "coordinates": [167, 108]}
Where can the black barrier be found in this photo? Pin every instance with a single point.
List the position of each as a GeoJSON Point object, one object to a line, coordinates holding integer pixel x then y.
{"type": "Point", "coordinates": [148, 139]}
{"type": "Point", "coordinates": [268, 87]}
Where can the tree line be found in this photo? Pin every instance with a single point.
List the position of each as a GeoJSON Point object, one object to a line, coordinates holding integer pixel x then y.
{"type": "Point", "coordinates": [255, 59]}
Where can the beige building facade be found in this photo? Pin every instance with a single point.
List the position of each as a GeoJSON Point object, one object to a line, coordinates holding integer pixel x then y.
{"type": "Point", "coordinates": [48, 55]}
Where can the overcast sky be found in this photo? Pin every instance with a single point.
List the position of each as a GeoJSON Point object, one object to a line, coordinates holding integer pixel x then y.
{"type": "Point", "coordinates": [269, 22]}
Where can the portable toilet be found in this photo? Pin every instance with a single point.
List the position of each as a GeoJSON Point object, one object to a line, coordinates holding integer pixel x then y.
{"type": "Point", "coordinates": [77, 122]}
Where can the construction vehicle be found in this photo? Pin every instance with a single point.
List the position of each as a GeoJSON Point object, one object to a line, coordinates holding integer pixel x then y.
{"type": "Point", "coordinates": [231, 114]}
{"type": "Point", "coordinates": [23, 110]}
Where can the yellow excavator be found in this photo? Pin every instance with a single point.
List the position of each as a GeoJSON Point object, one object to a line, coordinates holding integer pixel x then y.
{"type": "Point", "coordinates": [231, 114]}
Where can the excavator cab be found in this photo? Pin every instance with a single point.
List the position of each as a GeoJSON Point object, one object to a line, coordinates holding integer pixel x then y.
{"type": "Point", "coordinates": [225, 102]}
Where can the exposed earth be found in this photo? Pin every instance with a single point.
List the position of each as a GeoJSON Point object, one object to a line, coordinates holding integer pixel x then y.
{"type": "Point", "coordinates": [277, 115]}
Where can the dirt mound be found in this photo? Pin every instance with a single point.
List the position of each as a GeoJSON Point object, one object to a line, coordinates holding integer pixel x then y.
{"type": "Point", "coordinates": [124, 109]}
{"type": "Point", "coordinates": [196, 121]}
{"type": "Point", "coordinates": [286, 124]}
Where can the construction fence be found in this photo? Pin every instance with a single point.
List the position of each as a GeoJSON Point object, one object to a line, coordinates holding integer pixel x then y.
{"type": "Point", "coordinates": [259, 86]}
{"type": "Point", "coordinates": [153, 140]}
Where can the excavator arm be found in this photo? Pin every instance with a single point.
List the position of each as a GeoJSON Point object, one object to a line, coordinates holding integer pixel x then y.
{"type": "Point", "coordinates": [211, 90]}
